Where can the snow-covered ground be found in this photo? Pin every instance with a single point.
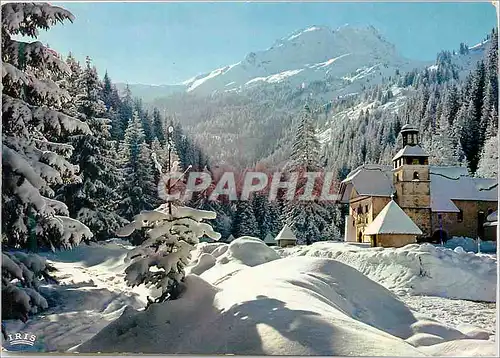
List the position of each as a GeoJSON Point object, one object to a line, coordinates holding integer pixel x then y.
{"type": "Point", "coordinates": [246, 298]}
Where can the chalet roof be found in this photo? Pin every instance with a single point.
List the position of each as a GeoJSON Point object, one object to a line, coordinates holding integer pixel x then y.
{"type": "Point", "coordinates": [492, 219]}
{"type": "Point", "coordinates": [269, 239]}
{"type": "Point", "coordinates": [447, 184]}
{"type": "Point", "coordinates": [392, 220]}
{"type": "Point", "coordinates": [285, 234]}
{"type": "Point", "coordinates": [410, 151]}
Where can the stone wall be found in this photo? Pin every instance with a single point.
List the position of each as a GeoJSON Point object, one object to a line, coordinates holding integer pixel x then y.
{"type": "Point", "coordinates": [395, 240]}
{"type": "Point", "coordinates": [468, 227]}
{"type": "Point", "coordinates": [286, 243]}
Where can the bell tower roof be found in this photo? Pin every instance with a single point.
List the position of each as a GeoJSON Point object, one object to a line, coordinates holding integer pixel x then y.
{"type": "Point", "coordinates": [412, 152]}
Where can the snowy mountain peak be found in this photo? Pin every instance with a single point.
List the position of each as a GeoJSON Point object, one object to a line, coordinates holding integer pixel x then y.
{"type": "Point", "coordinates": [309, 54]}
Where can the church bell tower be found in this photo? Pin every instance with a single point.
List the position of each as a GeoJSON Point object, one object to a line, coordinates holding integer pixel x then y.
{"type": "Point", "coordinates": [411, 179]}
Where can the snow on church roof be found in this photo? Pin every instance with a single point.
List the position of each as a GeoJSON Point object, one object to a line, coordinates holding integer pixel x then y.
{"type": "Point", "coordinates": [285, 234]}
{"type": "Point", "coordinates": [410, 150]}
{"type": "Point", "coordinates": [392, 220]}
{"type": "Point", "coordinates": [447, 184]}
{"type": "Point", "coordinates": [371, 179]}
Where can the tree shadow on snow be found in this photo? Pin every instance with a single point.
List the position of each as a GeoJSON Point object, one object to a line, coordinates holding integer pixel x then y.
{"type": "Point", "coordinates": [305, 333]}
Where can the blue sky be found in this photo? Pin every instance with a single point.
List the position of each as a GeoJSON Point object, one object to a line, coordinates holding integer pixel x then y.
{"type": "Point", "coordinates": [161, 43]}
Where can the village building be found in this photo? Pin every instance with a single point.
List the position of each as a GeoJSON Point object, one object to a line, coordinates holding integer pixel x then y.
{"type": "Point", "coordinates": [286, 237]}
{"type": "Point", "coordinates": [442, 201]}
{"type": "Point", "coordinates": [392, 228]}
{"type": "Point", "coordinates": [269, 240]}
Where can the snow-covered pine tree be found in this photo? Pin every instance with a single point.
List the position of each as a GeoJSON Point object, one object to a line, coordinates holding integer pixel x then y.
{"type": "Point", "coordinates": [21, 277]}
{"type": "Point", "coordinates": [172, 231]}
{"type": "Point", "coordinates": [488, 164]}
{"type": "Point", "coordinates": [93, 200]}
{"type": "Point", "coordinates": [34, 131]}
{"type": "Point", "coordinates": [307, 218]}
{"type": "Point", "coordinates": [138, 186]}
{"type": "Point", "coordinates": [244, 223]}
{"type": "Point", "coordinates": [264, 215]}
{"type": "Point", "coordinates": [112, 102]}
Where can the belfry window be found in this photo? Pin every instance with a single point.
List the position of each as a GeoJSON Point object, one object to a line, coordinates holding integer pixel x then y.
{"type": "Point", "coordinates": [415, 176]}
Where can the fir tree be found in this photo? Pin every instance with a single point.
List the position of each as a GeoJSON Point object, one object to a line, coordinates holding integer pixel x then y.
{"type": "Point", "coordinates": [93, 199]}
{"type": "Point", "coordinates": [307, 218]}
{"type": "Point", "coordinates": [245, 223]}
{"type": "Point", "coordinates": [138, 187]}
{"type": "Point", "coordinates": [35, 132]}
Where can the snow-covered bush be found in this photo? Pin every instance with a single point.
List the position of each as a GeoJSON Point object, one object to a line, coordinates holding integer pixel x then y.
{"type": "Point", "coordinates": [21, 275]}
{"type": "Point", "coordinates": [160, 260]}
{"type": "Point", "coordinates": [35, 133]}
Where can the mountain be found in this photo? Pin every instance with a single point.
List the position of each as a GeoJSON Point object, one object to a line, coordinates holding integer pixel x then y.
{"type": "Point", "coordinates": [346, 57]}
{"type": "Point", "coordinates": [246, 112]}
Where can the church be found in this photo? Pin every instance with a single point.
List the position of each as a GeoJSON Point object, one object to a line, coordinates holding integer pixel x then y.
{"type": "Point", "coordinates": [412, 201]}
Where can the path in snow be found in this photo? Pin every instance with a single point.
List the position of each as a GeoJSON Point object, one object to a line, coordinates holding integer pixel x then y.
{"type": "Point", "coordinates": [91, 294]}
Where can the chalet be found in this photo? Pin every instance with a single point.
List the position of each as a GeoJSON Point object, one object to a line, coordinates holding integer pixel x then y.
{"type": "Point", "coordinates": [441, 201]}
{"type": "Point", "coordinates": [286, 237]}
{"type": "Point", "coordinates": [269, 240]}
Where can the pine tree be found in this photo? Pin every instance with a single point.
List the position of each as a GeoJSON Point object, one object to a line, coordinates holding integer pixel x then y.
{"type": "Point", "coordinates": [138, 187]}
{"type": "Point", "coordinates": [35, 151]}
{"type": "Point", "coordinates": [35, 156]}
{"type": "Point", "coordinates": [307, 218]}
{"type": "Point", "coordinates": [263, 210]}
{"type": "Point", "coordinates": [244, 223]}
{"type": "Point", "coordinates": [93, 199]}
{"type": "Point", "coordinates": [488, 164]}
{"type": "Point", "coordinates": [158, 125]}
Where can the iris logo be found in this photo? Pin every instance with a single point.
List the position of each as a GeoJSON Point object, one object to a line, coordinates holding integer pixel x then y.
{"type": "Point", "coordinates": [21, 339]}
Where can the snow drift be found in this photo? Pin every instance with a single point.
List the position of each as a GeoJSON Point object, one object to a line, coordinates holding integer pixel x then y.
{"type": "Point", "coordinates": [415, 269]}
{"type": "Point", "coordinates": [293, 306]}
{"type": "Point", "coordinates": [260, 304]}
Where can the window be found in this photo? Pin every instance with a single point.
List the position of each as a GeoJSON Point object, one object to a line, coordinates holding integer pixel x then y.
{"type": "Point", "coordinates": [415, 176]}
{"type": "Point", "coordinates": [415, 161]}
{"type": "Point", "coordinates": [460, 216]}
{"type": "Point", "coordinates": [366, 208]}
{"type": "Point", "coordinates": [360, 211]}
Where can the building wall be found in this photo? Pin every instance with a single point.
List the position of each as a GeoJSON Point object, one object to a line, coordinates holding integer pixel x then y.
{"type": "Point", "coordinates": [469, 225]}
{"type": "Point", "coordinates": [285, 243]}
{"type": "Point", "coordinates": [370, 207]}
{"type": "Point", "coordinates": [395, 240]}
{"type": "Point", "coordinates": [414, 196]}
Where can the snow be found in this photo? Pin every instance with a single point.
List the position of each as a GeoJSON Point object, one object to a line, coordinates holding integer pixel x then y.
{"type": "Point", "coordinates": [415, 269]}
{"type": "Point", "coordinates": [242, 298]}
{"type": "Point", "coordinates": [471, 245]}
{"type": "Point", "coordinates": [411, 151]}
{"type": "Point", "coordinates": [392, 220]}
{"type": "Point", "coordinates": [289, 306]}
{"type": "Point", "coordinates": [447, 183]}
{"type": "Point", "coordinates": [335, 54]}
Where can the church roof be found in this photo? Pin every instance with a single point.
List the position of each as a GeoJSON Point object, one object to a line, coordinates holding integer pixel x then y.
{"type": "Point", "coordinates": [410, 151]}
{"type": "Point", "coordinates": [392, 220]}
{"type": "Point", "coordinates": [370, 179]}
{"type": "Point", "coordinates": [285, 234]}
{"type": "Point", "coordinates": [447, 184]}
